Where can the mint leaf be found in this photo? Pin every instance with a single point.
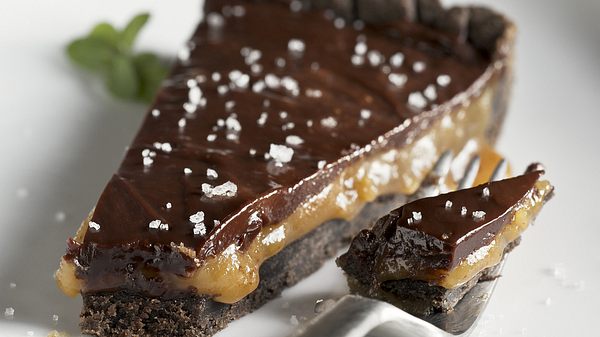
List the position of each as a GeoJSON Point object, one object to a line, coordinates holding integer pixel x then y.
{"type": "Point", "coordinates": [108, 51]}
{"type": "Point", "coordinates": [91, 53]}
{"type": "Point", "coordinates": [151, 72]}
{"type": "Point", "coordinates": [106, 32]}
{"type": "Point", "coordinates": [131, 31]}
{"type": "Point", "coordinates": [122, 78]}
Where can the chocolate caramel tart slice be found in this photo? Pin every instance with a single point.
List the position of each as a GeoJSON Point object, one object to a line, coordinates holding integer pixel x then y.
{"type": "Point", "coordinates": [426, 255]}
{"type": "Point", "coordinates": [281, 131]}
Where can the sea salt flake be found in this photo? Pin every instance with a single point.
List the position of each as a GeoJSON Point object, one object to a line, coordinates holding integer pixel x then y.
{"type": "Point", "coordinates": [233, 124]}
{"type": "Point", "coordinates": [262, 119]}
{"type": "Point", "coordinates": [448, 204]}
{"type": "Point", "coordinates": [365, 114]}
{"type": "Point", "coordinates": [283, 114]}
{"type": "Point", "coordinates": [228, 189]}
{"type": "Point", "coordinates": [155, 112]}
{"type": "Point", "coordinates": [417, 216]}
{"type": "Point", "coordinates": [253, 56]}
{"type": "Point", "coordinates": [272, 81]}
{"type": "Point", "coordinates": [181, 123]}
{"type": "Point", "coordinates": [417, 100]}
{"type": "Point", "coordinates": [314, 93]}
{"type": "Point", "coordinates": [252, 152]}
{"type": "Point", "coordinates": [360, 48]}
{"type": "Point", "coordinates": [211, 137]}
{"type": "Point", "coordinates": [199, 229]}
{"type": "Point", "coordinates": [187, 170]}
{"type": "Point", "coordinates": [94, 226]}
{"type": "Point", "coordinates": [296, 47]}
{"type": "Point", "coordinates": [239, 79]}
{"type": "Point", "coordinates": [485, 193]}
{"type": "Point", "coordinates": [147, 161]}
{"type": "Point", "coordinates": [258, 86]}
{"type": "Point", "coordinates": [281, 153]}
{"type": "Point", "coordinates": [189, 107]}
{"type": "Point", "coordinates": [321, 164]}
{"type": "Point", "coordinates": [418, 66]}
{"type": "Point", "coordinates": [396, 60]}
{"type": "Point", "coordinates": [222, 89]}
{"type": "Point", "coordinates": [463, 211]}
{"type": "Point", "coordinates": [293, 140]}
{"type": "Point", "coordinates": [430, 92]}
{"type": "Point", "coordinates": [168, 205]}
{"type": "Point", "coordinates": [197, 217]}
{"type": "Point", "coordinates": [339, 23]}
{"type": "Point", "coordinates": [216, 77]}
{"type": "Point", "coordinates": [164, 227]}
{"type": "Point", "coordinates": [443, 80]}
{"type": "Point", "coordinates": [211, 174]}
{"type": "Point", "coordinates": [357, 60]}
{"type": "Point", "coordinates": [192, 83]}
{"type": "Point", "coordinates": [410, 221]}
{"type": "Point", "coordinates": [375, 58]}
{"type": "Point", "coordinates": [154, 224]}
{"type": "Point", "coordinates": [166, 147]}
{"type": "Point", "coordinates": [478, 215]}
{"type": "Point", "coordinates": [195, 95]}
{"type": "Point", "coordinates": [398, 80]}
{"type": "Point", "coordinates": [329, 122]}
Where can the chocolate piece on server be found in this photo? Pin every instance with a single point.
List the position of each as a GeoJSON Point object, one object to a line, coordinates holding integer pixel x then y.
{"type": "Point", "coordinates": [281, 132]}
{"type": "Point", "coordinates": [426, 255]}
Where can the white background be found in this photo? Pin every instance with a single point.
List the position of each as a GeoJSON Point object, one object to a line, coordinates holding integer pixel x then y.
{"type": "Point", "coordinates": [61, 137]}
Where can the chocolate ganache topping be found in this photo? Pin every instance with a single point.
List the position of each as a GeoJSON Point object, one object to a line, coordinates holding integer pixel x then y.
{"type": "Point", "coordinates": [443, 230]}
{"type": "Point", "coordinates": [263, 108]}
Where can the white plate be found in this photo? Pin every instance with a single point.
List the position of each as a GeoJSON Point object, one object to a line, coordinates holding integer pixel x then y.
{"type": "Point", "coordinates": [61, 138]}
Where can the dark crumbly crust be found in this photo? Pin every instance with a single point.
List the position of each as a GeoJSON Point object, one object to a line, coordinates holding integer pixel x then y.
{"type": "Point", "coordinates": [419, 297]}
{"type": "Point", "coordinates": [124, 314]}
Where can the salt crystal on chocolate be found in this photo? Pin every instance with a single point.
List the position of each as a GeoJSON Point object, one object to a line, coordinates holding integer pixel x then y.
{"type": "Point", "coordinates": [94, 226]}
{"type": "Point", "coordinates": [211, 174]}
{"type": "Point", "coordinates": [281, 153]}
{"type": "Point", "coordinates": [293, 140]}
{"type": "Point", "coordinates": [417, 100]}
{"type": "Point", "coordinates": [443, 80]}
{"type": "Point", "coordinates": [329, 122]}
{"type": "Point", "coordinates": [296, 47]}
{"type": "Point", "coordinates": [398, 80]}
{"type": "Point", "coordinates": [197, 217]}
{"type": "Point", "coordinates": [396, 60]}
{"type": "Point", "coordinates": [228, 189]}
{"type": "Point", "coordinates": [430, 92]}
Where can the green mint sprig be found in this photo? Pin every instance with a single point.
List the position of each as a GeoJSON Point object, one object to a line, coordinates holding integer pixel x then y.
{"type": "Point", "coordinates": [108, 52]}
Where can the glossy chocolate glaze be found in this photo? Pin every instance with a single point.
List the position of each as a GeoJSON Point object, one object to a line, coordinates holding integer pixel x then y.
{"type": "Point", "coordinates": [138, 193]}
{"type": "Point", "coordinates": [427, 235]}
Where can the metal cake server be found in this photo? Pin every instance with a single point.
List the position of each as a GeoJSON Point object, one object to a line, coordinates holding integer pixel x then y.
{"type": "Point", "coordinates": [357, 316]}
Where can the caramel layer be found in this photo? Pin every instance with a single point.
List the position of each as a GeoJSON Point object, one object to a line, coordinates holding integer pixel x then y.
{"type": "Point", "coordinates": [490, 255]}
{"type": "Point", "coordinates": [233, 274]}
